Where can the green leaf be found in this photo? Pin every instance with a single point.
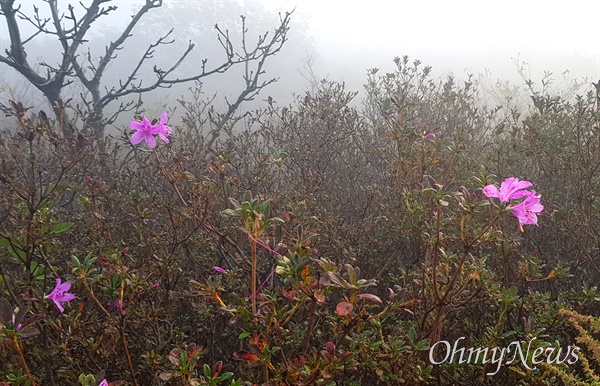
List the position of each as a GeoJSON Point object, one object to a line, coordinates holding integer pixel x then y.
{"type": "Point", "coordinates": [75, 261]}
{"type": "Point", "coordinates": [37, 270]}
{"type": "Point", "coordinates": [244, 335]}
{"type": "Point", "coordinates": [17, 255]}
{"type": "Point", "coordinates": [207, 371]}
{"type": "Point", "coordinates": [60, 228]}
{"type": "Point", "coordinates": [226, 376]}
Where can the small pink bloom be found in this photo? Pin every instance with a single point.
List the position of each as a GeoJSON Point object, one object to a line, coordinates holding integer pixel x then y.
{"type": "Point", "coordinates": [60, 295]}
{"type": "Point", "coordinates": [145, 131]}
{"type": "Point", "coordinates": [161, 129]}
{"type": "Point", "coordinates": [118, 305]}
{"type": "Point", "coordinates": [103, 383]}
{"type": "Point", "coordinates": [510, 189]}
{"type": "Point", "coordinates": [156, 285]}
{"type": "Point", "coordinates": [526, 211]}
{"type": "Point", "coordinates": [219, 269]}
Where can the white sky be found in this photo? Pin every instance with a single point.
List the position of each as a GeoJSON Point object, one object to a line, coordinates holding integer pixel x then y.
{"type": "Point", "coordinates": [457, 35]}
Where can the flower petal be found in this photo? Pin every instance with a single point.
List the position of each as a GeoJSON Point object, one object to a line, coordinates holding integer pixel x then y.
{"type": "Point", "coordinates": [526, 211]}
{"type": "Point", "coordinates": [150, 140]}
{"type": "Point", "coordinates": [135, 125]}
{"type": "Point", "coordinates": [64, 287]}
{"type": "Point", "coordinates": [491, 191]}
{"type": "Point", "coordinates": [60, 308]}
{"type": "Point", "coordinates": [512, 189]}
{"type": "Point", "coordinates": [137, 137]}
{"type": "Point", "coordinates": [59, 294]}
{"type": "Point", "coordinates": [66, 297]}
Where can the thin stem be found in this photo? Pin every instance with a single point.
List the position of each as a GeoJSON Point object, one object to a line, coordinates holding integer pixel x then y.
{"type": "Point", "coordinates": [311, 323]}
{"type": "Point", "coordinates": [455, 276]}
{"type": "Point", "coordinates": [93, 296]}
{"type": "Point", "coordinates": [264, 246]}
{"type": "Point", "coordinates": [169, 178]}
{"type": "Point", "coordinates": [261, 285]}
{"type": "Point", "coordinates": [504, 263]}
{"type": "Point", "coordinates": [18, 346]}
{"type": "Point", "coordinates": [266, 373]}
{"type": "Point", "coordinates": [253, 243]}
{"type": "Point", "coordinates": [121, 328]}
{"type": "Point", "coordinates": [126, 347]}
{"type": "Point", "coordinates": [436, 252]}
{"type": "Point", "coordinates": [483, 232]}
{"type": "Point", "coordinates": [291, 315]}
{"type": "Point", "coordinates": [8, 286]}
{"type": "Point", "coordinates": [254, 293]}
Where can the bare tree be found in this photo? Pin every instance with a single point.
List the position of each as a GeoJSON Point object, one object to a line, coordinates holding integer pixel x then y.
{"type": "Point", "coordinates": [70, 29]}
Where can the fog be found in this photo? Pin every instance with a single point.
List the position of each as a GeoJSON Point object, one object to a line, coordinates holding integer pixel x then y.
{"type": "Point", "coordinates": [341, 40]}
{"type": "Point", "coordinates": [487, 39]}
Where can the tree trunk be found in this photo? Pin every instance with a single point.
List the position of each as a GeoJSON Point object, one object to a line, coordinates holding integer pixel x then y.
{"type": "Point", "coordinates": [53, 96]}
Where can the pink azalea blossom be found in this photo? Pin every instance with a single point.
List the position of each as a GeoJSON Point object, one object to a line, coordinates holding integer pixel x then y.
{"type": "Point", "coordinates": [60, 295]}
{"type": "Point", "coordinates": [146, 131]}
{"type": "Point", "coordinates": [118, 305]}
{"type": "Point", "coordinates": [526, 211]}
{"type": "Point", "coordinates": [162, 129]}
{"type": "Point", "coordinates": [510, 189]}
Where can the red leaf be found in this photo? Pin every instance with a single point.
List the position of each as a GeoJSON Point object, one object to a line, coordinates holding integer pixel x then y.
{"type": "Point", "coordinates": [330, 347]}
{"type": "Point", "coordinates": [344, 308]}
{"type": "Point", "coordinates": [370, 297]}
{"type": "Point", "coordinates": [320, 296]}
{"type": "Point", "coordinates": [261, 344]}
{"type": "Point", "coordinates": [305, 272]}
{"type": "Point", "coordinates": [245, 356]}
{"type": "Point", "coordinates": [291, 294]}
{"type": "Point", "coordinates": [217, 367]}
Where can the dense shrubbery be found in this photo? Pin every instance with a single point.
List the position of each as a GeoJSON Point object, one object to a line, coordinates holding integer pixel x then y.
{"type": "Point", "coordinates": [323, 244]}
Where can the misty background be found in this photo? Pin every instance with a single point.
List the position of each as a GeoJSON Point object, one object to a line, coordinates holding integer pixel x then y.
{"type": "Point", "coordinates": [500, 44]}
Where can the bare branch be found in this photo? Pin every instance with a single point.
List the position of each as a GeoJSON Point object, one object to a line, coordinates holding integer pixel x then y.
{"type": "Point", "coordinates": [16, 57]}
{"type": "Point", "coordinates": [82, 67]}
{"type": "Point", "coordinates": [126, 33]}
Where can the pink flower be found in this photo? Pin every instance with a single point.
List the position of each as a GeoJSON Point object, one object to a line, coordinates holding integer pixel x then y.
{"type": "Point", "coordinates": [526, 211]}
{"type": "Point", "coordinates": [118, 305]}
{"type": "Point", "coordinates": [60, 295]}
{"type": "Point", "coordinates": [219, 269]}
{"type": "Point", "coordinates": [146, 131]}
{"type": "Point", "coordinates": [162, 129]}
{"type": "Point", "coordinates": [103, 383]}
{"type": "Point", "coordinates": [510, 189]}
